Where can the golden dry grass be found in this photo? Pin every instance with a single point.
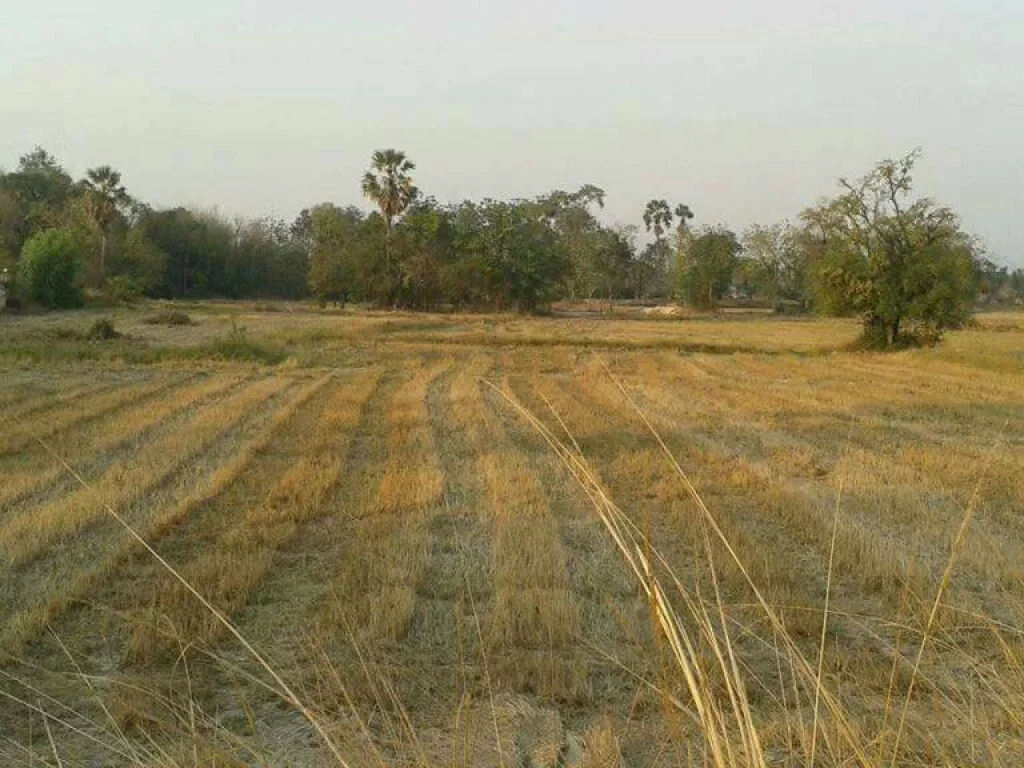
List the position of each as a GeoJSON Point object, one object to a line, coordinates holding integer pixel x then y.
{"type": "Point", "coordinates": [35, 469]}
{"type": "Point", "coordinates": [26, 535]}
{"type": "Point", "coordinates": [374, 589]}
{"type": "Point", "coordinates": [454, 596]}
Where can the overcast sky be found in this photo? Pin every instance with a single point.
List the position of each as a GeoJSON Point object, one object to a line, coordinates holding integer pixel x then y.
{"type": "Point", "coordinates": [746, 110]}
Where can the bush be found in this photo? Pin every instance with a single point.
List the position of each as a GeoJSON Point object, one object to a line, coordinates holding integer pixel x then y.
{"type": "Point", "coordinates": [237, 346]}
{"type": "Point", "coordinates": [102, 330]}
{"type": "Point", "coordinates": [50, 268]}
{"type": "Point", "coordinates": [245, 350]}
{"type": "Point", "coordinates": [121, 290]}
{"type": "Point", "coordinates": [169, 317]}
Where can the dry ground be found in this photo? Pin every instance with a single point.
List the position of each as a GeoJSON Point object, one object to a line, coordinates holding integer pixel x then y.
{"type": "Point", "coordinates": [375, 515]}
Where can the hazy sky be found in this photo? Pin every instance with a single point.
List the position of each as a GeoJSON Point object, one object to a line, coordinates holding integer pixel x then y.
{"type": "Point", "coordinates": [746, 110]}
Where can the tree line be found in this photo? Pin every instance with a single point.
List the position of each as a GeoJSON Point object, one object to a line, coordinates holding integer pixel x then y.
{"type": "Point", "coordinates": [901, 263]}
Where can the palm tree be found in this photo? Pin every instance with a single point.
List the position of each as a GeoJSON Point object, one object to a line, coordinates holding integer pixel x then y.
{"type": "Point", "coordinates": [104, 196]}
{"type": "Point", "coordinates": [684, 214]}
{"type": "Point", "coordinates": [658, 217]}
{"type": "Point", "coordinates": [388, 184]}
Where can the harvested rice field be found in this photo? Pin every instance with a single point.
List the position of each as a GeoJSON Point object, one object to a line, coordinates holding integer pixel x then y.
{"type": "Point", "coordinates": [446, 540]}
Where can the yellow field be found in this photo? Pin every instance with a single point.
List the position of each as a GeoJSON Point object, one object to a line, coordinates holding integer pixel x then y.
{"type": "Point", "coordinates": [438, 584]}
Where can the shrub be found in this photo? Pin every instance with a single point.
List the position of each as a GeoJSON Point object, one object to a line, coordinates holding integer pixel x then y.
{"type": "Point", "coordinates": [169, 317]}
{"type": "Point", "coordinates": [242, 349]}
{"type": "Point", "coordinates": [237, 346]}
{"type": "Point", "coordinates": [121, 290]}
{"type": "Point", "coordinates": [50, 268]}
{"type": "Point", "coordinates": [102, 330]}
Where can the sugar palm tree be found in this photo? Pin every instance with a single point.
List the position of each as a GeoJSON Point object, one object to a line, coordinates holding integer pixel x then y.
{"type": "Point", "coordinates": [657, 217]}
{"type": "Point", "coordinates": [389, 185]}
{"type": "Point", "coordinates": [104, 197]}
{"type": "Point", "coordinates": [684, 214]}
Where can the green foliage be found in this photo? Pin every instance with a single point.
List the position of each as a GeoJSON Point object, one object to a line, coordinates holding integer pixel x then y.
{"type": "Point", "coordinates": [524, 265]}
{"type": "Point", "coordinates": [904, 265]}
{"type": "Point", "coordinates": [997, 284]}
{"type": "Point", "coordinates": [338, 247]}
{"type": "Point", "coordinates": [585, 245]}
{"type": "Point", "coordinates": [422, 245]}
{"type": "Point", "coordinates": [121, 290]}
{"type": "Point", "coordinates": [684, 214]}
{"type": "Point", "coordinates": [8, 268]}
{"type": "Point", "coordinates": [138, 259]}
{"type": "Point", "coordinates": [707, 267]}
{"type": "Point", "coordinates": [185, 254]}
{"type": "Point", "coordinates": [104, 201]}
{"type": "Point", "coordinates": [389, 185]}
{"type": "Point", "coordinates": [50, 268]}
{"type": "Point", "coordinates": [658, 217]}
{"type": "Point", "coordinates": [774, 264]}
{"type": "Point", "coordinates": [652, 270]}
{"type": "Point", "coordinates": [513, 246]}
{"type": "Point", "coordinates": [612, 262]}
{"type": "Point", "coordinates": [32, 199]}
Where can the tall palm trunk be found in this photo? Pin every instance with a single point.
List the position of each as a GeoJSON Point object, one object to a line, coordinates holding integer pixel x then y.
{"type": "Point", "coordinates": [103, 256]}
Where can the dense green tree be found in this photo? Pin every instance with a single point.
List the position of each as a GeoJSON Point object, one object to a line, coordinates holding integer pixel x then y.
{"type": "Point", "coordinates": [613, 260]}
{"type": "Point", "coordinates": [335, 240]}
{"type": "Point", "coordinates": [774, 264]}
{"type": "Point", "coordinates": [32, 198]}
{"type": "Point", "coordinates": [895, 260]}
{"type": "Point", "coordinates": [138, 260]}
{"type": "Point", "coordinates": [997, 284]}
{"type": "Point", "coordinates": [1016, 286]}
{"type": "Point", "coordinates": [10, 224]}
{"type": "Point", "coordinates": [49, 269]}
{"type": "Point", "coordinates": [512, 251]}
{"type": "Point", "coordinates": [710, 264]}
{"type": "Point", "coordinates": [283, 258]}
{"type": "Point", "coordinates": [524, 262]}
{"type": "Point", "coordinates": [424, 243]}
{"type": "Point", "coordinates": [652, 267]}
{"type": "Point", "coordinates": [198, 247]}
{"type": "Point", "coordinates": [580, 236]}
